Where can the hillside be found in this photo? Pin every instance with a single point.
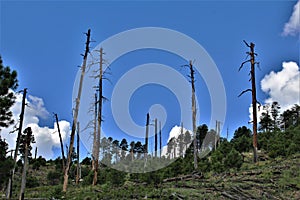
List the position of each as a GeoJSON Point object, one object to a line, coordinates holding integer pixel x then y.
{"type": "Point", "coordinates": [271, 179]}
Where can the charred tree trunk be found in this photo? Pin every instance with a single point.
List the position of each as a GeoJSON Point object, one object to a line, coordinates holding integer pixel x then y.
{"type": "Point", "coordinates": [61, 143]}
{"type": "Point", "coordinates": [66, 174]}
{"type": "Point", "coordinates": [253, 91]}
{"type": "Point", "coordinates": [10, 181]}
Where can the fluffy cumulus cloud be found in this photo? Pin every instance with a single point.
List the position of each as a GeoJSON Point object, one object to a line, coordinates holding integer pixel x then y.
{"type": "Point", "coordinates": [282, 86]}
{"type": "Point", "coordinates": [292, 27]}
{"type": "Point", "coordinates": [46, 138]}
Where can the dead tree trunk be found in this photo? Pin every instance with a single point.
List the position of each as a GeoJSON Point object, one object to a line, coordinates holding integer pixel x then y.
{"type": "Point", "coordinates": [253, 91]}
{"type": "Point", "coordinates": [10, 181]}
{"type": "Point", "coordinates": [155, 137]}
{"type": "Point", "coordinates": [98, 136]}
{"type": "Point", "coordinates": [66, 174]}
{"type": "Point", "coordinates": [61, 143]}
{"type": "Point", "coordinates": [78, 164]}
{"type": "Point", "coordinates": [194, 113]}
{"type": "Point", "coordinates": [35, 153]}
{"type": "Point", "coordinates": [28, 139]}
{"type": "Point", "coordinates": [95, 133]}
{"type": "Point", "coordinates": [160, 140]}
{"type": "Point", "coordinates": [146, 140]}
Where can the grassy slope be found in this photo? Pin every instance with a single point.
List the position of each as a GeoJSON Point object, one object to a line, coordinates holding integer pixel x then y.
{"type": "Point", "coordinates": [276, 179]}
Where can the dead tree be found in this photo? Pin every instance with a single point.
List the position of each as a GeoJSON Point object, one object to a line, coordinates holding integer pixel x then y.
{"type": "Point", "coordinates": [9, 186]}
{"type": "Point", "coordinates": [99, 119]}
{"type": "Point", "coordinates": [28, 139]}
{"type": "Point", "coordinates": [253, 91]}
{"type": "Point", "coordinates": [69, 159]}
{"type": "Point", "coordinates": [194, 110]}
{"type": "Point", "coordinates": [61, 143]}
{"type": "Point", "coordinates": [155, 137]}
{"type": "Point", "coordinates": [146, 140]}
{"type": "Point", "coordinates": [95, 132]}
{"type": "Point", "coordinates": [160, 140]}
{"type": "Point", "coordinates": [78, 164]}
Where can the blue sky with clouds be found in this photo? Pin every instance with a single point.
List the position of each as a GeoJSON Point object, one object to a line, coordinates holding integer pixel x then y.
{"type": "Point", "coordinates": [43, 42]}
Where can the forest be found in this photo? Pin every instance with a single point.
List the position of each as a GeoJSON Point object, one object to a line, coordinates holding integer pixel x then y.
{"type": "Point", "coordinates": [262, 163]}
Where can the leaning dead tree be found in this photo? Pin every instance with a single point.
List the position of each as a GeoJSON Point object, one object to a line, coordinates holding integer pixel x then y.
{"type": "Point", "coordinates": [61, 143]}
{"type": "Point", "coordinates": [252, 55]}
{"type": "Point", "coordinates": [9, 186]}
{"type": "Point", "coordinates": [66, 174]}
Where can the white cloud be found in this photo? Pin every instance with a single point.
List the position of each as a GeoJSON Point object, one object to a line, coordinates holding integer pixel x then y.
{"type": "Point", "coordinates": [176, 131]}
{"type": "Point", "coordinates": [46, 138]}
{"type": "Point", "coordinates": [292, 27]}
{"type": "Point", "coordinates": [282, 86]}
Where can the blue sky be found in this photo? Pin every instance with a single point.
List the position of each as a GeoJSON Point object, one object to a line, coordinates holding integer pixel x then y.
{"type": "Point", "coordinates": [43, 42]}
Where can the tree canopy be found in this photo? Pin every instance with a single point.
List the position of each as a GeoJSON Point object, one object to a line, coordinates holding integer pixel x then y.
{"type": "Point", "coordinates": [8, 80]}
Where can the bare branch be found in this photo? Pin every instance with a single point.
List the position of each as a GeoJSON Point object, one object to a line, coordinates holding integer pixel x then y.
{"type": "Point", "coordinates": [246, 43]}
{"type": "Point", "coordinates": [243, 64]}
{"type": "Point", "coordinates": [248, 90]}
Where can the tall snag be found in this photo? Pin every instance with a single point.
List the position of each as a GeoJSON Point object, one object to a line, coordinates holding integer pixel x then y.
{"type": "Point", "coordinates": [253, 91]}
{"type": "Point", "coordinates": [99, 119]}
{"type": "Point", "coordinates": [194, 110]}
{"type": "Point", "coordinates": [66, 174]}
{"type": "Point", "coordinates": [9, 186]}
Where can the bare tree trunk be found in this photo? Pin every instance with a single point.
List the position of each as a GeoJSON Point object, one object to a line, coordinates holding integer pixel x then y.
{"type": "Point", "coordinates": [253, 91]}
{"type": "Point", "coordinates": [10, 181]}
{"type": "Point", "coordinates": [78, 164]}
{"type": "Point", "coordinates": [155, 137]}
{"type": "Point", "coordinates": [95, 134]}
{"type": "Point", "coordinates": [61, 143]}
{"type": "Point", "coordinates": [146, 140]}
{"type": "Point", "coordinates": [35, 153]}
{"type": "Point", "coordinates": [23, 182]}
{"type": "Point", "coordinates": [160, 140]}
{"type": "Point", "coordinates": [252, 54]}
{"type": "Point", "coordinates": [194, 114]}
{"type": "Point", "coordinates": [97, 149]}
{"type": "Point", "coordinates": [66, 174]}
{"type": "Point", "coordinates": [28, 140]}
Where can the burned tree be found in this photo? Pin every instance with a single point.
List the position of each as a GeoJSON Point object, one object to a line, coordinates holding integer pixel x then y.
{"type": "Point", "coordinates": [61, 143]}
{"type": "Point", "coordinates": [252, 55]}
{"type": "Point", "coordinates": [69, 159]}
